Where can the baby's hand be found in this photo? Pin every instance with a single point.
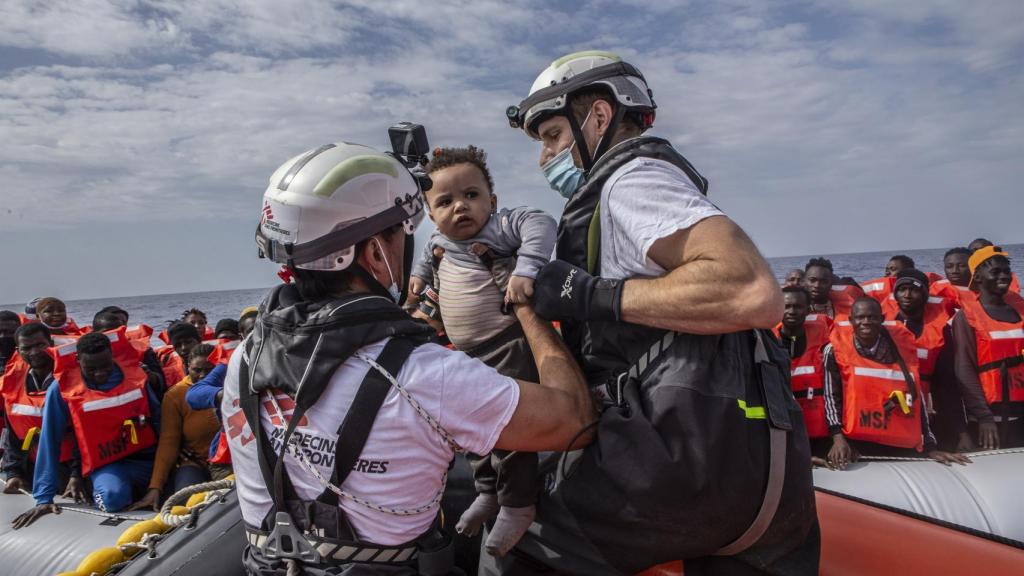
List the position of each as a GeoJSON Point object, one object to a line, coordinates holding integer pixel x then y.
{"type": "Point", "coordinates": [520, 290]}
{"type": "Point", "coordinates": [416, 285]}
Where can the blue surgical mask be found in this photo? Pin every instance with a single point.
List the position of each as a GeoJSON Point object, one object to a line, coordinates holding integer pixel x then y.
{"type": "Point", "coordinates": [561, 171]}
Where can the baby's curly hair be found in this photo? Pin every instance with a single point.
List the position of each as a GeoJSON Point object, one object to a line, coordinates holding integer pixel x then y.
{"type": "Point", "coordinates": [446, 157]}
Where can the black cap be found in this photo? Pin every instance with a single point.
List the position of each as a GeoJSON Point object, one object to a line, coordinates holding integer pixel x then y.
{"type": "Point", "coordinates": [180, 329]}
{"type": "Point", "coordinates": [227, 324]}
{"type": "Point", "coordinates": [913, 277]}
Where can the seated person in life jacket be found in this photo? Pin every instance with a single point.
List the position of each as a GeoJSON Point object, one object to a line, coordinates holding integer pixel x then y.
{"type": "Point", "coordinates": [107, 399]}
{"type": "Point", "coordinates": [794, 277]}
{"type": "Point", "coordinates": [956, 284]}
{"type": "Point", "coordinates": [23, 389]}
{"type": "Point", "coordinates": [182, 338]}
{"type": "Point", "coordinates": [828, 297]}
{"type": "Point", "coordinates": [463, 206]}
{"type": "Point", "coordinates": [121, 313]}
{"type": "Point", "coordinates": [988, 342]}
{"type": "Point", "coordinates": [872, 391]}
{"type": "Point", "coordinates": [978, 244]}
{"type": "Point", "coordinates": [9, 323]}
{"type": "Point", "coordinates": [247, 321]}
{"type": "Point", "coordinates": [111, 318]}
{"type": "Point", "coordinates": [185, 436]}
{"type": "Point", "coordinates": [881, 288]}
{"type": "Point", "coordinates": [206, 394]}
{"type": "Point", "coordinates": [928, 321]}
{"type": "Point", "coordinates": [227, 329]}
{"type": "Point", "coordinates": [804, 336]}
{"type": "Point", "coordinates": [197, 318]}
{"type": "Point", "coordinates": [54, 314]}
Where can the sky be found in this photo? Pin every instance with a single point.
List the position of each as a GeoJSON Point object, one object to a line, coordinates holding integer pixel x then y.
{"type": "Point", "coordinates": [137, 137]}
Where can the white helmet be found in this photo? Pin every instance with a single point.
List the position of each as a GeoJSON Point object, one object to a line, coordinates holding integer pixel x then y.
{"type": "Point", "coordinates": [322, 202]}
{"type": "Point", "coordinates": [553, 89]}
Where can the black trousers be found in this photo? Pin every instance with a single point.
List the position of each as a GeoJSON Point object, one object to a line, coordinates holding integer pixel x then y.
{"type": "Point", "coordinates": [512, 476]}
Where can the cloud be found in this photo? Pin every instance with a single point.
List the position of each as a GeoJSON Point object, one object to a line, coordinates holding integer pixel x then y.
{"type": "Point", "coordinates": [810, 118]}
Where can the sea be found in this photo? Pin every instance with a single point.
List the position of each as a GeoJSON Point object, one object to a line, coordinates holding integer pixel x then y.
{"type": "Point", "coordinates": [160, 309]}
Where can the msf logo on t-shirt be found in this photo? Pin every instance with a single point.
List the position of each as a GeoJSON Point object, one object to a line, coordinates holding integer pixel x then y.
{"type": "Point", "coordinates": [567, 285]}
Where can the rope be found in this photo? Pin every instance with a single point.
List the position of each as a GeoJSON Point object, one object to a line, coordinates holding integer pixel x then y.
{"type": "Point", "coordinates": [927, 459]}
{"type": "Point", "coordinates": [298, 454]}
{"type": "Point", "coordinates": [215, 489]}
{"type": "Point", "coordinates": [86, 511]}
{"type": "Point", "coordinates": [448, 438]}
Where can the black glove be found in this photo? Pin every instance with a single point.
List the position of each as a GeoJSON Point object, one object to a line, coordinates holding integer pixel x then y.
{"type": "Point", "coordinates": [429, 302]}
{"type": "Point", "coordinates": [566, 292]}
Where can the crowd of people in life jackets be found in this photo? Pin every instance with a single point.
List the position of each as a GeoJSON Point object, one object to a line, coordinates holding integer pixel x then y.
{"type": "Point", "coordinates": [910, 362]}
{"type": "Point", "coordinates": [96, 413]}
{"type": "Point", "coordinates": [907, 363]}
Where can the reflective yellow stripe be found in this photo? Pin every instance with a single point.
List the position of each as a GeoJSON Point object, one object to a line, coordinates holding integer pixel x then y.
{"type": "Point", "coordinates": [901, 397]}
{"type": "Point", "coordinates": [29, 437]}
{"type": "Point", "coordinates": [131, 431]}
{"type": "Point", "coordinates": [594, 239]}
{"type": "Point", "coordinates": [752, 412]}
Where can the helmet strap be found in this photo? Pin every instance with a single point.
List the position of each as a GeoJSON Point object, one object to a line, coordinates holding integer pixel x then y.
{"type": "Point", "coordinates": [410, 246]}
{"type": "Point", "coordinates": [609, 134]}
{"type": "Point", "coordinates": [603, 144]}
{"type": "Point", "coordinates": [577, 133]}
{"type": "Point", "coordinates": [372, 283]}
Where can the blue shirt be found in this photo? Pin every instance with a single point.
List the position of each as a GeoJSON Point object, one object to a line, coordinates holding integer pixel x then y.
{"type": "Point", "coordinates": [56, 419]}
{"type": "Point", "coordinates": [203, 396]}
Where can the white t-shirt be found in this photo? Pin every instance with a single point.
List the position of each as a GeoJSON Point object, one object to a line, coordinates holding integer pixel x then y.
{"type": "Point", "coordinates": [642, 202]}
{"type": "Point", "coordinates": [404, 460]}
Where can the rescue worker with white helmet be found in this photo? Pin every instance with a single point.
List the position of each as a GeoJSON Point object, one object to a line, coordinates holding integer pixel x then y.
{"type": "Point", "coordinates": [701, 452]}
{"type": "Point", "coordinates": [342, 415]}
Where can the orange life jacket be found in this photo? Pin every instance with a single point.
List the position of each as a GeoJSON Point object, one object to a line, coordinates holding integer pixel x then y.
{"type": "Point", "coordinates": [931, 340]}
{"type": "Point", "coordinates": [222, 455]}
{"type": "Point", "coordinates": [807, 375]}
{"type": "Point", "coordinates": [139, 335]}
{"type": "Point", "coordinates": [869, 386]}
{"type": "Point", "coordinates": [207, 334]}
{"type": "Point", "coordinates": [1000, 351]}
{"type": "Point", "coordinates": [880, 288]}
{"type": "Point", "coordinates": [943, 288]}
{"type": "Point", "coordinates": [222, 350]}
{"type": "Point", "coordinates": [221, 354]}
{"type": "Point", "coordinates": [24, 410]}
{"type": "Point", "coordinates": [110, 425]}
{"type": "Point", "coordinates": [842, 297]}
{"type": "Point", "coordinates": [172, 365]}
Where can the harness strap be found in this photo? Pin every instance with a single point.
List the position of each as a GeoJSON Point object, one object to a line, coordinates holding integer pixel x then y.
{"type": "Point", "coordinates": [907, 376]}
{"type": "Point", "coordinates": [648, 358]}
{"type": "Point", "coordinates": [812, 392]}
{"type": "Point", "coordinates": [1008, 362]}
{"type": "Point", "coordinates": [777, 438]}
{"type": "Point", "coordinates": [355, 428]}
{"type": "Point", "coordinates": [341, 551]}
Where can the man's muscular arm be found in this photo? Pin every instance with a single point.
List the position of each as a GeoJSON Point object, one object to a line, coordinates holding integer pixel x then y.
{"type": "Point", "coordinates": [717, 282]}
{"type": "Point", "coordinates": [556, 411]}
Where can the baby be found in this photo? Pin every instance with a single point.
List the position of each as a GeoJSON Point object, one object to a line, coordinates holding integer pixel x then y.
{"type": "Point", "coordinates": [472, 232]}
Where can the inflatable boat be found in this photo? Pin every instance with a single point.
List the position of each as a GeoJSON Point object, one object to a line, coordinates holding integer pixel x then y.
{"type": "Point", "coordinates": [921, 517]}
{"type": "Point", "coordinates": [900, 516]}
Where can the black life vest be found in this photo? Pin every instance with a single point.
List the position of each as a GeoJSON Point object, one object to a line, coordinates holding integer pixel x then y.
{"type": "Point", "coordinates": [579, 240]}
{"type": "Point", "coordinates": [295, 348]}
{"type": "Point", "coordinates": [694, 417]}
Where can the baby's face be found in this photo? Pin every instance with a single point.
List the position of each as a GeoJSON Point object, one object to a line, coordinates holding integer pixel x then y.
{"type": "Point", "coordinates": [460, 202]}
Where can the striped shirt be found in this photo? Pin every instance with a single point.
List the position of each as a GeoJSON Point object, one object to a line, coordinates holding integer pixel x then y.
{"type": "Point", "coordinates": [470, 304]}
